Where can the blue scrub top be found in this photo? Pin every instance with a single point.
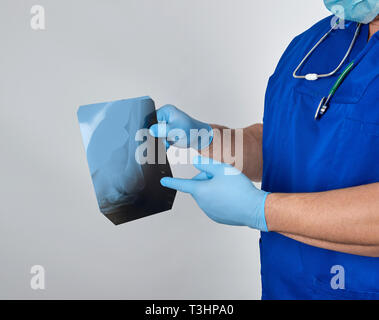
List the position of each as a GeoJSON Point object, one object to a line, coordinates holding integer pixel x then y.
{"type": "Point", "coordinates": [303, 155]}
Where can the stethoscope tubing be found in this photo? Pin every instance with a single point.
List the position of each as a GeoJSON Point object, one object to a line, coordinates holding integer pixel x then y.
{"type": "Point", "coordinates": [324, 103]}
{"type": "Point", "coordinates": [315, 76]}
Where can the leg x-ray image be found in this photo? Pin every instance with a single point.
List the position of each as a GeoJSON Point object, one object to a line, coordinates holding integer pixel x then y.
{"type": "Point", "coordinates": [125, 162]}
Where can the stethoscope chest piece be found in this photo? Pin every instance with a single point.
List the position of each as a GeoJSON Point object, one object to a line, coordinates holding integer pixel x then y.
{"type": "Point", "coordinates": [321, 109]}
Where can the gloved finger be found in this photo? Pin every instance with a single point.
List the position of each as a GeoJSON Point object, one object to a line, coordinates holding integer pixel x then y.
{"type": "Point", "coordinates": [158, 130]}
{"type": "Point", "coordinates": [208, 165]}
{"type": "Point", "coordinates": [183, 185]}
{"type": "Point", "coordinates": [202, 176]}
{"type": "Point", "coordinates": [163, 113]}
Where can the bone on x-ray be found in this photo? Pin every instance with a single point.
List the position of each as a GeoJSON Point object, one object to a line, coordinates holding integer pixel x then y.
{"type": "Point", "coordinates": [126, 187]}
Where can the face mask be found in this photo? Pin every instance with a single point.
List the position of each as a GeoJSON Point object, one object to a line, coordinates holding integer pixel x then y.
{"type": "Point", "coordinates": [363, 11]}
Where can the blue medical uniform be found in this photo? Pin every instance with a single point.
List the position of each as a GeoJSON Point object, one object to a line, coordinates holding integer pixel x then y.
{"type": "Point", "coordinates": [303, 155]}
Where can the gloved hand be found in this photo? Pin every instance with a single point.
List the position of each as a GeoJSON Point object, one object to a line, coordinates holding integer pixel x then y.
{"type": "Point", "coordinates": [170, 119]}
{"type": "Point", "coordinates": [224, 193]}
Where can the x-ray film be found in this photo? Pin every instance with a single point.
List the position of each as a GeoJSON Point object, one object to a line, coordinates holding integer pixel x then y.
{"type": "Point", "coordinates": [126, 163]}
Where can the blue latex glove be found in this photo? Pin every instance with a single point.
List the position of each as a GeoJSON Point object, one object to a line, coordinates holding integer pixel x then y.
{"type": "Point", "coordinates": [225, 198]}
{"type": "Point", "coordinates": [170, 119]}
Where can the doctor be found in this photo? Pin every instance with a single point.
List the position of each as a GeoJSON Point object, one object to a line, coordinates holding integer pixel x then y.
{"type": "Point", "coordinates": [318, 209]}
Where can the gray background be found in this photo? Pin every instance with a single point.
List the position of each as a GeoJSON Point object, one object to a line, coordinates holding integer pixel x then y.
{"type": "Point", "coordinates": [211, 58]}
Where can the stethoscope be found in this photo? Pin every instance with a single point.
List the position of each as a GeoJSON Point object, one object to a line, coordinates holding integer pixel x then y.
{"type": "Point", "coordinates": [325, 101]}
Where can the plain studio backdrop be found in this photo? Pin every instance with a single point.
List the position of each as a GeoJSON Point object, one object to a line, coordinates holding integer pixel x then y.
{"type": "Point", "coordinates": [212, 58]}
